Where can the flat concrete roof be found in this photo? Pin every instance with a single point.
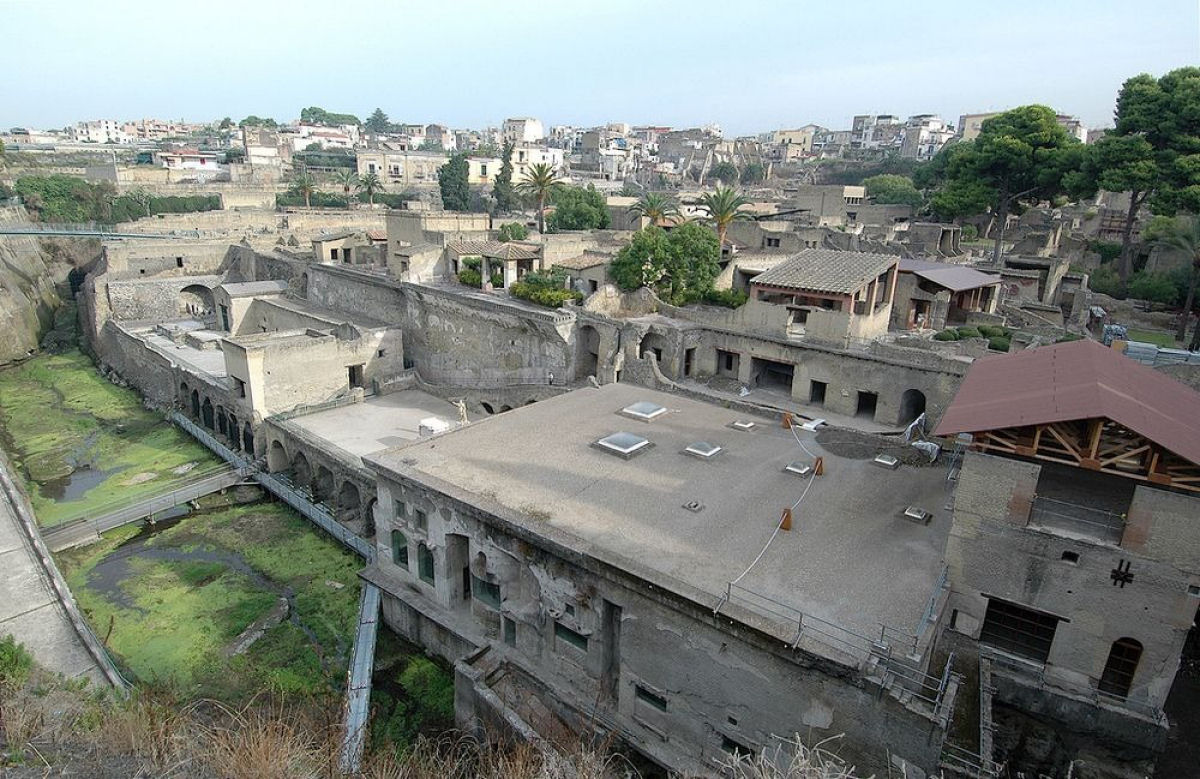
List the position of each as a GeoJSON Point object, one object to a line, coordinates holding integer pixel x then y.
{"type": "Point", "coordinates": [209, 361]}
{"type": "Point", "coordinates": [377, 423]}
{"type": "Point", "coordinates": [850, 558]}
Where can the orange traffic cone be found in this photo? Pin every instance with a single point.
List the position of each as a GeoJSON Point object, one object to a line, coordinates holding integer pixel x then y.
{"type": "Point", "coordinates": [785, 522]}
{"type": "Point", "coordinates": [819, 467]}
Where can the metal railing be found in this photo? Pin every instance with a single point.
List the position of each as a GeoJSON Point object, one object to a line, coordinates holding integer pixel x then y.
{"type": "Point", "coordinates": [304, 409]}
{"type": "Point", "coordinates": [1076, 518]}
{"type": "Point", "coordinates": [922, 686]}
{"type": "Point", "coordinates": [358, 686]}
{"type": "Point", "coordinates": [319, 514]}
{"type": "Point", "coordinates": [95, 511]}
{"type": "Point", "coordinates": [964, 761]}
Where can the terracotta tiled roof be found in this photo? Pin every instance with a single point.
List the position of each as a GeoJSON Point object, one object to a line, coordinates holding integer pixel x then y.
{"type": "Point", "coordinates": [827, 270]}
{"type": "Point", "coordinates": [1076, 380]}
{"type": "Point", "coordinates": [495, 249]}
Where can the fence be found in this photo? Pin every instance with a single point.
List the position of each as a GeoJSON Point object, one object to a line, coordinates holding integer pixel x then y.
{"type": "Point", "coordinates": [160, 500]}
{"type": "Point", "coordinates": [1072, 517]}
{"type": "Point", "coordinates": [358, 687]}
{"type": "Point", "coordinates": [962, 761]}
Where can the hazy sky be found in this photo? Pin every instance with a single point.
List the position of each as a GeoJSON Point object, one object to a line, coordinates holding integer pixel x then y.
{"type": "Point", "coordinates": [748, 65]}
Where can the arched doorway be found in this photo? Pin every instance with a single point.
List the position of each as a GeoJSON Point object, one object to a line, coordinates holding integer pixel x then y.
{"type": "Point", "coordinates": [234, 432]}
{"type": "Point", "coordinates": [323, 484]}
{"type": "Point", "coordinates": [653, 344]}
{"type": "Point", "coordinates": [912, 405]}
{"type": "Point", "coordinates": [206, 413]}
{"type": "Point", "coordinates": [195, 404]}
{"type": "Point", "coordinates": [247, 439]}
{"type": "Point", "coordinates": [349, 502]}
{"type": "Point", "coordinates": [196, 300]}
{"type": "Point", "coordinates": [221, 420]}
{"type": "Point", "coordinates": [369, 518]}
{"type": "Point", "coordinates": [301, 470]}
{"type": "Point", "coordinates": [184, 395]}
{"type": "Point", "coordinates": [1121, 667]}
{"type": "Point", "coordinates": [276, 458]}
{"type": "Point", "coordinates": [488, 407]}
{"type": "Point", "coordinates": [302, 288]}
{"type": "Point", "coordinates": [587, 352]}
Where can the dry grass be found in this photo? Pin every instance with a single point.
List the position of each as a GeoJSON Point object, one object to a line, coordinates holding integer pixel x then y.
{"type": "Point", "coordinates": [790, 759]}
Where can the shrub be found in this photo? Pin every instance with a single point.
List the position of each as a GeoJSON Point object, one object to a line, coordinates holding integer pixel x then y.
{"type": "Point", "coordinates": [1155, 287]}
{"type": "Point", "coordinates": [497, 279]}
{"type": "Point", "coordinates": [551, 297]}
{"type": "Point", "coordinates": [999, 343]}
{"type": "Point", "coordinates": [1107, 282]}
{"type": "Point", "coordinates": [318, 199]}
{"type": "Point", "coordinates": [946, 335]}
{"type": "Point", "coordinates": [474, 263]}
{"type": "Point", "coordinates": [969, 232]}
{"type": "Point", "coordinates": [730, 298]}
{"type": "Point", "coordinates": [513, 231]}
{"type": "Point", "coordinates": [470, 277]}
{"type": "Point", "coordinates": [969, 332]}
{"type": "Point", "coordinates": [1107, 250]}
{"type": "Point", "coordinates": [987, 331]}
{"type": "Point", "coordinates": [15, 662]}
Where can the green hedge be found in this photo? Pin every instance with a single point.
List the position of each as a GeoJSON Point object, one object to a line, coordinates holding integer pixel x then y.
{"type": "Point", "coordinates": [316, 200]}
{"type": "Point", "coordinates": [552, 297]}
{"type": "Point", "coordinates": [730, 298]}
{"type": "Point", "coordinates": [946, 335]}
{"type": "Point", "coordinates": [989, 331]}
{"type": "Point", "coordinates": [470, 277]}
{"type": "Point", "coordinates": [969, 332]}
{"type": "Point", "coordinates": [999, 343]}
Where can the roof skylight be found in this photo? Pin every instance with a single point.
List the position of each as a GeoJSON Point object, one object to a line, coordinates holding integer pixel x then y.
{"type": "Point", "coordinates": [703, 449]}
{"type": "Point", "coordinates": [623, 444]}
{"type": "Point", "coordinates": [644, 410]}
{"type": "Point", "coordinates": [742, 424]}
{"type": "Point", "coordinates": [798, 468]}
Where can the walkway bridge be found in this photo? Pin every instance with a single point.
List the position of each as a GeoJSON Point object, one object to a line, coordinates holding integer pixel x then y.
{"type": "Point", "coordinates": [77, 531]}
{"type": "Point", "coordinates": [362, 662]}
{"type": "Point", "coordinates": [85, 230]}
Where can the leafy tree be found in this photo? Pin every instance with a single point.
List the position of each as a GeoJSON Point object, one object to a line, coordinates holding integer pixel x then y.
{"type": "Point", "coordinates": [513, 231]}
{"type": "Point", "coordinates": [725, 172]}
{"type": "Point", "coordinates": [257, 121]}
{"type": "Point", "coordinates": [225, 124]}
{"type": "Point", "coordinates": [431, 144]}
{"type": "Point", "coordinates": [1020, 156]}
{"type": "Point", "coordinates": [654, 206]}
{"type": "Point", "coordinates": [1155, 287]}
{"type": "Point", "coordinates": [890, 188]}
{"type": "Point", "coordinates": [378, 122]}
{"type": "Point", "coordinates": [753, 173]}
{"type": "Point", "coordinates": [304, 185]}
{"type": "Point", "coordinates": [235, 154]}
{"type": "Point", "coordinates": [679, 266]}
{"type": "Point", "coordinates": [141, 197]}
{"type": "Point", "coordinates": [578, 208]}
{"type": "Point", "coordinates": [369, 184]}
{"type": "Point", "coordinates": [452, 180]}
{"type": "Point", "coordinates": [1185, 238]}
{"type": "Point", "coordinates": [502, 189]}
{"type": "Point", "coordinates": [539, 183]}
{"type": "Point", "coordinates": [317, 115]}
{"type": "Point", "coordinates": [724, 206]}
{"type": "Point", "coordinates": [314, 146]}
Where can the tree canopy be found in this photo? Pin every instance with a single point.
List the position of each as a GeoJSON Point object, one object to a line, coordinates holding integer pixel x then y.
{"type": "Point", "coordinates": [317, 115]}
{"type": "Point", "coordinates": [502, 188]}
{"type": "Point", "coordinates": [725, 172]}
{"type": "Point", "coordinates": [378, 122]}
{"type": "Point", "coordinates": [258, 121]}
{"type": "Point", "coordinates": [753, 173]}
{"type": "Point", "coordinates": [654, 206]}
{"type": "Point", "coordinates": [724, 206]}
{"type": "Point", "coordinates": [679, 266]}
{"type": "Point", "coordinates": [1021, 156]}
{"type": "Point", "coordinates": [578, 208]}
{"type": "Point", "coordinates": [540, 182]}
{"type": "Point", "coordinates": [893, 189]}
{"type": "Point", "coordinates": [452, 180]}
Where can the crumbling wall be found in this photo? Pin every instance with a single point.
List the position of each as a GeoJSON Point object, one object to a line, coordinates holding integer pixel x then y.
{"type": "Point", "coordinates": [27, 291]}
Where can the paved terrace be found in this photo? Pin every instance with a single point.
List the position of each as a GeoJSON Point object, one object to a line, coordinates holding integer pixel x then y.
{"type": "Point", "coordinates": [851, 558]}
{"type": "Point", "coordinates": [377, 423]}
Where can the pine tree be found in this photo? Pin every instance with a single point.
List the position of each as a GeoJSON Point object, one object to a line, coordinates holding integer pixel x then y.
{"type": "Point", "coordinates": [502, 190]}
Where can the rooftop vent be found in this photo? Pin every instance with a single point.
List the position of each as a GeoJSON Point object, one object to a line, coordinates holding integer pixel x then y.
{"type": "Point", "coordinates": [917, 514]}
{"type": "Point", "coordinates": [887, 461]}
{"type": "Point", "coordinates": [694, 506]}
{"type": "Point", "coordinates": [623, 444]}
{"type": "Point", "coordinates": [742, 424]}
{"type": "Point", "coordinates": [799, 468]}
{"type": "Point", "coordinates": [702, 449]}
{"type": "Point", "coordinates": [644, 410]}
{"type": "Point", "coordinates": [813, 424]}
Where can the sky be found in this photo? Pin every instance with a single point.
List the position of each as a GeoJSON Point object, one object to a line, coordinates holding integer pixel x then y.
{"type": "Point", "coordinates": [747, 65]}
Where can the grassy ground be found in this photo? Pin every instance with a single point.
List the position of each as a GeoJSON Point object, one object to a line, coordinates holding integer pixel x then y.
{"type": "Point", "coordinates": [1153, 336]}
{"type": "Point", "coordinates": [58, 414]}
{"type": "Point", "coordinates": [170, 602]}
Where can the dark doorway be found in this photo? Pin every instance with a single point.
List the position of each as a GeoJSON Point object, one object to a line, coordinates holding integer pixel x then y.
{"type": "Point", "coordinates": [1018, 630]}
{"type": "Point", "coordinates": [867, 401]}
{"type": "Point", "coordinates": [1121, 666]}
{"type": "Point", "coordinates": [587, 352]}
{"type": "Point", "coordinates": [689, 359]}
{"type": "Point", "coordinates": [912, 405]}
{"type": "Point", "coordinates": [727, 363]}
{"type": "Point", "coordinates": [355, 373]}
{"type": "Point", "coordinates": [196, 404]}
{"type": "Point", "coordinates": [816, 392]}
{"type": "Point", "coordinates": [772, 375]}
{"type": "Point", "coordinates": [206, 412]}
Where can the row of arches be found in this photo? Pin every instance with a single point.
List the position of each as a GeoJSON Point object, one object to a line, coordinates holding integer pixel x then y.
{"type": "Point", "coordinates": [345, 499]}
{"type": "Point", "coordinates": [216, 418]}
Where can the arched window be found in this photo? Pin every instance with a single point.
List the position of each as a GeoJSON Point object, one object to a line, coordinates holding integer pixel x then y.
{"type": "Point", "coordinates": [399, 549]}
{"type": "Point", "coordinates": [1122, 664]}
{"type": "Point", "coordinates": [425, 564]}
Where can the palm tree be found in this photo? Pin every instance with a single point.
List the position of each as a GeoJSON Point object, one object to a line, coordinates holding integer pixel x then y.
{"type": "Point", "coordinates": [724, 206]}
{"type": "Point", "coordinates": [370, 184]}
{"type": "Point", "coordinates": [1185, 237]}
{"type": "Point", "coordinates": [348, 179]}
{"type": "Point", "coordinates": [539, 182]}
{"type": "Point", "coordinates": [654, 206]}
{"type": "Point", "coordinates": [304, 184]}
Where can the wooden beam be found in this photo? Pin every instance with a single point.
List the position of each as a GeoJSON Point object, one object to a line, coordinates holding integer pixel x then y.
{"type": "Point", "coordinates": [1097, 426]}
{"type": "Point", "coordinates": [1126, 455]}
{"type": "Point", "coordinates": [1062, 440]}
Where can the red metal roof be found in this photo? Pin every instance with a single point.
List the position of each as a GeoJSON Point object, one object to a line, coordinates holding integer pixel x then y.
{"type": "Point", "coordinates": [1076, 380]}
